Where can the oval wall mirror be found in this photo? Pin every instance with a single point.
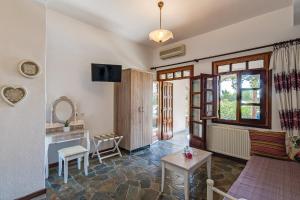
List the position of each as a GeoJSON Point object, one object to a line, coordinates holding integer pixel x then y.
{"type": "Point", "coordinates": [63, 110]}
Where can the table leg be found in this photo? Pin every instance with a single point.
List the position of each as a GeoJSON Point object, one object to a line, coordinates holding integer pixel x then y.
{"type": "Point", "coordinates": [46, 161]}
{"type": "Point", "coordinates": [162, 176]}
{"type": "Point", "coordinates": [186, 185]}
{"type": "Point", "coordinates": [208, 166]}
{"type": "Point", "coordinates": [79, 163]}
{"type": "Point", "coordinates": [66, 173]}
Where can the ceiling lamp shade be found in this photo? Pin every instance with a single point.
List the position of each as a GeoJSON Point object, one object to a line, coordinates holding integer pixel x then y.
{"type": "Point", "coordinates": [160, 35]}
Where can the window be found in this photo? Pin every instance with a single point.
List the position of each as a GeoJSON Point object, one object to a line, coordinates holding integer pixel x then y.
{"type": "Point", "coordinates": [178, 74]}
{"type": "Point", "coordinates": [175, 73]}
{"type": "Point", "coordinates": [244, 91]}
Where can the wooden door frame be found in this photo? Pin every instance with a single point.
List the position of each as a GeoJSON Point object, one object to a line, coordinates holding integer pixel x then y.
{"type": "Point", "coordinates": [168, 92]}
{"type": "Point", "coordinates": [155, 136]}
{"type": "Point", "coordinates": [196, 141]}
{"type": "Point", "coordinates": [160, 81]}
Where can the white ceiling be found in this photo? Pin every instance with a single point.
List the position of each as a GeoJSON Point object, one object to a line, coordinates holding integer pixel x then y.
{"type": "Point", "coordinates": [134, 19]}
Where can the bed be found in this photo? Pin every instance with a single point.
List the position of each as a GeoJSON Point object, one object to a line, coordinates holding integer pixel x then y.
{"type": "Point", "coordinates": [263, 179]}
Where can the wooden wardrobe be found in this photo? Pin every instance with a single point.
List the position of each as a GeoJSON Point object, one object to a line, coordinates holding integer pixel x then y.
{"type": "Point", "coordinates": [133, 109]}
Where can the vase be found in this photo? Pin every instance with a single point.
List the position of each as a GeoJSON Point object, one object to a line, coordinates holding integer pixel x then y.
{"type": "Point", "coordinates": [67, 129]}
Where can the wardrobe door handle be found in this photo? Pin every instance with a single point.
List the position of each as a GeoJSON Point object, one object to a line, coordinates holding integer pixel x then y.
{"type": "Point", "coordinates": [141, 109]}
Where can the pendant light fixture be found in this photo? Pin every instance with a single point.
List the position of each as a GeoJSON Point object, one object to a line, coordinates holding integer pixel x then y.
{"type": "Point", "coordinates": [160, 35]}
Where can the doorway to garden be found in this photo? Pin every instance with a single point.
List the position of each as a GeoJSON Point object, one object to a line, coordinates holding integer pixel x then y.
{"type": "Point", "coordinates": [171, 105]}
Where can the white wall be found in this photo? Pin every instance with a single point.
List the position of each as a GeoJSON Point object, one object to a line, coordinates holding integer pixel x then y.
{"type": "Point", "coordinates": [296, 6]}
{"type": "Point", "coordinates": [71, 48]}
{"type": "Point", "coordinates": [179, 104]}
{"type": "Point", "coordinates": [261, 30]}
{"type": "Point", "coordinates": [22, 130]}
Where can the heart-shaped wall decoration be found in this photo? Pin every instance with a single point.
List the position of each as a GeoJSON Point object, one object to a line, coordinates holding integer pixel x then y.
{"type": "Point", "coordinates": [13, 95]}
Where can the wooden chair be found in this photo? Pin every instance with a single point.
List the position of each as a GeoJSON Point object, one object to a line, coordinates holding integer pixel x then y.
{"type": "Point", "coordinates": [75, 152]}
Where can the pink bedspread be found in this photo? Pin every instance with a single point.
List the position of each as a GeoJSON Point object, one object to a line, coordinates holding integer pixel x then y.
{"type": "Point", "coordinates": [268, 179]}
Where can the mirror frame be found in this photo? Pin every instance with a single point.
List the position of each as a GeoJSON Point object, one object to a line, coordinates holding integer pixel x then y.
{"type": "Point", "coordinates": [63, 99]}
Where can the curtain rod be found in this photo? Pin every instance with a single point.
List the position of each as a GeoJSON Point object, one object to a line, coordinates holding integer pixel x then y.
{"type": "Point", "coordinates": [226, 54]}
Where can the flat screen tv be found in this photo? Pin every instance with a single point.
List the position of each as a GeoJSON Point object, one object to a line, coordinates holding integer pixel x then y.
{"type": "Point", "coordinates": [106, 73]}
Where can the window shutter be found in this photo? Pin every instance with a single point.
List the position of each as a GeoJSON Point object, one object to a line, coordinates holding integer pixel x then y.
{"type": "Point", "coordinates": [209, 96]}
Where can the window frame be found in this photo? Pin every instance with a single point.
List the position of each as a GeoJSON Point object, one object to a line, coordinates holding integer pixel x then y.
{"type": "Point", "coordinates": [266, 90]}
{"type": "Point", "coordinates": [165, 72]}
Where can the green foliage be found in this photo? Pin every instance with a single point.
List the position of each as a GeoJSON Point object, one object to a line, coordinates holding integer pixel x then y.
{"type": "Point", "coordinates": [67, 123]}
{"type": "Point", "coordinates": [252, 80]}
{"type": "Point", "coordinates": [228, 96]}
{"type": "Point", "coordinates": [228, 109]}
{"type": "Point", "coordinates": [246, 112]}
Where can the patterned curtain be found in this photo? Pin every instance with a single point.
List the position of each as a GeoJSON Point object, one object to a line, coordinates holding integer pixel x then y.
{"type": "Point", "coordinates": [285, 62]}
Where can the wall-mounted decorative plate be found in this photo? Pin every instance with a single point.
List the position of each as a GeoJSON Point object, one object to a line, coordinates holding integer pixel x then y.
{"type": "Point", "coordinates": [13, 95]}
{"type": "Point", "coordinates": [29, 68]}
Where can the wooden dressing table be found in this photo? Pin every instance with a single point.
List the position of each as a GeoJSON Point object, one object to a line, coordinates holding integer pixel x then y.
{"type": "Point", "coordinates": [63, 111]}
{"type": "Point", "coordinates": [56, 135]}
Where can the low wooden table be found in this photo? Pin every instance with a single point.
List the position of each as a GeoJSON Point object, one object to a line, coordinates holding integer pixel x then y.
{"type": "Point", "coordinates": [177, 162]}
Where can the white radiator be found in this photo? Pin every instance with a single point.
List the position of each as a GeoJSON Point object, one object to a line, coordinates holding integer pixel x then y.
{"type": "Point", "coordinates": [229, 141]}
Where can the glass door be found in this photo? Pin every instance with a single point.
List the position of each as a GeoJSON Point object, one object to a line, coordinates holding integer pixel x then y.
{"type": "Point", "coordinates": [167, 110]}
{"type": "Point", "coordinates": [155, 112]}
{"type": "Point", "coordinates": [208, 96]}
{"type": "Point", "coordinates": [197, 125]}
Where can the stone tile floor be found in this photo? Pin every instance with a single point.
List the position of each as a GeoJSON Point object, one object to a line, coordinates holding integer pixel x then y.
{"type": "Point", "coordinates": [137, 176]}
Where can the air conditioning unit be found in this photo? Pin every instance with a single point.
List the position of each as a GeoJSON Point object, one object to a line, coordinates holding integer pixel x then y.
{"type": "Point", "coordinates": [172, 52]}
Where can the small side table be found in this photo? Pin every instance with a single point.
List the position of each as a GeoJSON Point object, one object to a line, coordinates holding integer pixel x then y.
{"type": "Point", "coordinates": [177, 162]}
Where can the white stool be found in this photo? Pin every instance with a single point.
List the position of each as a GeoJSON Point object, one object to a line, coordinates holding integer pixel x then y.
{"type": "Point", "coordinates": [71, 153]}
{"type": "Point", "coordinates": [74, 152]}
